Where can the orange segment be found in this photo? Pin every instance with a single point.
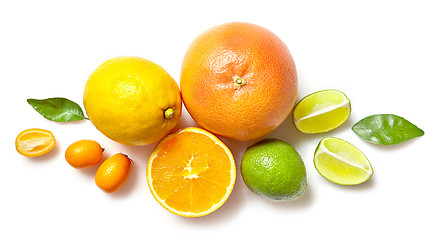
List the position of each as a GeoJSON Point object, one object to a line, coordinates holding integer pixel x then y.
{"type": "Point", "coordinates": [191, 173]}
{"type": "Point", "coordinates": [34, 142]}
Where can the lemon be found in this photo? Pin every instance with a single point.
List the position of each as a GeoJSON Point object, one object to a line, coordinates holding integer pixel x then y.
{"type": "Point", "coordinates": [132, 100]}
{"type": "Point", "coordinates": [321, 111]}
{"type": "Point", "coordinates": [274, 170]}
{"type": "Point", "coordinates": [341, 162]}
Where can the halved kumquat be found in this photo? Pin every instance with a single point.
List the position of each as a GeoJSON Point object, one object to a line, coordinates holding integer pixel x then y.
{"type": "Point", "coordinates": [34, 142]}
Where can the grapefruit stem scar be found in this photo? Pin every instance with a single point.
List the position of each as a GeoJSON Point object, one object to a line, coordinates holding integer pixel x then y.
{"type": "Point", "coordinates": [238, 82]}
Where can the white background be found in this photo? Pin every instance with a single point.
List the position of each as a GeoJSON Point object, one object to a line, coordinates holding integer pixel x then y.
{"type": "Point", "coordinates": [382, 54]}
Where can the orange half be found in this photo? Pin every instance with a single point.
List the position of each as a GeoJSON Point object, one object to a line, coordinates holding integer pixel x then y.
{"type": "Point", "coordinates": [34, 142]}
{"type": "Point", "coordinates": [191, 173]}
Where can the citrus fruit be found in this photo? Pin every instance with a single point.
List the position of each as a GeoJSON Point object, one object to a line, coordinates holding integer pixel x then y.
{"type": "Point", "coordinates": [34, 142]}
{"type": "Point", "coordinates": [274, 170]}
{"type": "Point", "coordinates": [238, 80]}
{"type": "Point", "coordinates": [341, 162]}
{"type": "Point", "coordinates": [191, 173]}
{"type": "Point", "coordinates": [321, 111]}
{"type": "Point", "coordinates": [112, 174]}
{"type": "Point", "coordinates": [84, 154]}
{"type": "Point", "coordinates": [132, 100]}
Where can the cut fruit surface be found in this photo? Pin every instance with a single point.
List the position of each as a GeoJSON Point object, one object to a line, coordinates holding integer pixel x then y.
{"type": "Point", "coordinates": [34, 142]}
{"type": "Point", "coordinates": [191, 173]}
{"type": "Point", "coordinates": [341, 162]}
{"type": "Point", "coordinates": [321, 111]}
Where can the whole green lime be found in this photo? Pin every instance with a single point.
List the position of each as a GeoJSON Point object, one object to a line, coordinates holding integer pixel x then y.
{"type": "Point", "coordinates": [274, 170]}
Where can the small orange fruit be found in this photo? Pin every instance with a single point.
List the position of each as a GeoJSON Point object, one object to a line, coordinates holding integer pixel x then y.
{"type": "Point", "coordinates": [238, 80]}
{"type": "Point", "coordinates": [34, 142]}
{"type": "Point", "coordinates": [191, 173]}
{"type": "Point", "coordinates": [113, 173]}
{"type": "Point", "coordinates": [84, 154]}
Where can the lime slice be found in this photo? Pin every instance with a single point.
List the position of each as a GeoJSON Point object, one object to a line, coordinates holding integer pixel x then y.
{"type": "Point", "coordinates": [341, 162]}
{"type": "Point", "coordinates": [321, 111]}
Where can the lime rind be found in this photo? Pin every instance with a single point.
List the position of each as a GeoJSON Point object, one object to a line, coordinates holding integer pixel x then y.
{"type": "Point", "coordinates": [274, 170]}
{"type": "Point", "coordinates": [348, 166]}
{"type": "Point", "coordinates": [316, 113]}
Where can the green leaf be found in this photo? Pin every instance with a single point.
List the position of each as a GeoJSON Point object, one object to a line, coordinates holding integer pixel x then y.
{"type": "Point", "coordinates": [386, 129]}
{"type": "Point", "coordinates": [57, 109]}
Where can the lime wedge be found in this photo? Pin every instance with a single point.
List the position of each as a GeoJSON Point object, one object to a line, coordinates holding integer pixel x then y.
{"type": "Point", "coordinates": [341, 162]}
{"type": "Point", "coordinates": [321, 111]}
